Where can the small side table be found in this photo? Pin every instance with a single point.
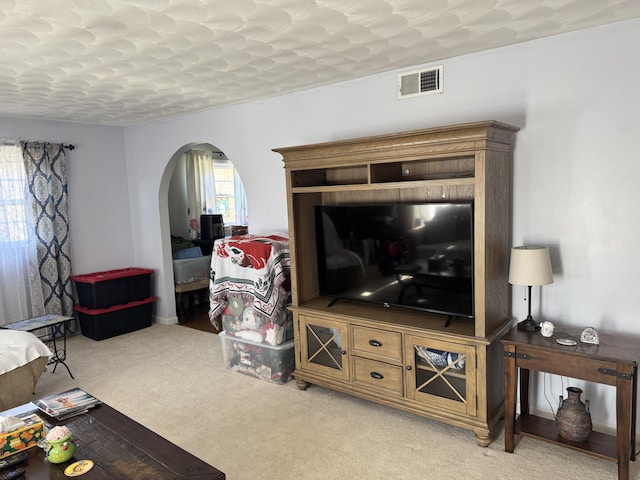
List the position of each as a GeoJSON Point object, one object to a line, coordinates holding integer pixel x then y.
{"type": "Point", "coordinates": [613, 362]}
{"type": "Point", "coordinates": [57, 324]}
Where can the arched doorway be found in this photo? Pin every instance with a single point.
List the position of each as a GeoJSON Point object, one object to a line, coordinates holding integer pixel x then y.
{"type": "Point", "coordinates": [224, 193]}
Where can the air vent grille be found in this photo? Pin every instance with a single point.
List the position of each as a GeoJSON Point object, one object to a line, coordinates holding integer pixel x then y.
{"type": "Point", "coordinates": [420, 82]}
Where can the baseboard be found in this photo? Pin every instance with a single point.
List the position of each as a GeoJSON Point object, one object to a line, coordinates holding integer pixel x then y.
{"type": "Point", "coordinates": [165, 320]}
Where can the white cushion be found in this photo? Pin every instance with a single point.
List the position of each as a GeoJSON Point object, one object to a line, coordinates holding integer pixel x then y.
{"type": "Point", "coordinates": [19, 348]}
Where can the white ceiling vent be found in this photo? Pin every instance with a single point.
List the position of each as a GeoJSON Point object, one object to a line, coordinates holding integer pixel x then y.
{"type": "Point", "coordinates": [420, 82]}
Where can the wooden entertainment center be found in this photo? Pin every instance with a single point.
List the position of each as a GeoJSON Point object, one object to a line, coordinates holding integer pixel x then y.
{"type": "Point", "coordinates": [385, 354]}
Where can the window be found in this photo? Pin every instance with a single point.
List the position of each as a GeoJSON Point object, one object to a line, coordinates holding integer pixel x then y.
{"type": "Point", "coordinates": [14, 197]}
{"type": "Point", "coordinates": [230, 198]}
{"type": "Point", "coordinates": [223, 175]}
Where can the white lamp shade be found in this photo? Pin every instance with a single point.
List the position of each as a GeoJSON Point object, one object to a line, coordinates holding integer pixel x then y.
{"type": "Point", "coordinates": [530, 266]}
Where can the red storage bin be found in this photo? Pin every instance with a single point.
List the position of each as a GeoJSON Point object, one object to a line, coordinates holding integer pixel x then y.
{"type": "Point", "coordinates": [113, 287]}
{"type": "Point", "coordinates": [102, 323]}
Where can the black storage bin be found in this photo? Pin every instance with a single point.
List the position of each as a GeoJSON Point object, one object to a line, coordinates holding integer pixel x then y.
{"type": "Point", "coordinates": [102, 323]}
{"type": "Point", "coordinates": [113, 287]}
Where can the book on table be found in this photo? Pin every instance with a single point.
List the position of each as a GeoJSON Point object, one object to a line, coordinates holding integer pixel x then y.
{"type": "Point", "coordinates": [67, 404]}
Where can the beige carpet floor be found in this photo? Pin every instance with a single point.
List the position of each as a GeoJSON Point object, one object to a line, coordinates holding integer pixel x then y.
{"type": "Point", "coordinates": [172, 380]}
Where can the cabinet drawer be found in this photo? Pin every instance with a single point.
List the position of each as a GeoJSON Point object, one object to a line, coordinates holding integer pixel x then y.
{"type": "Point", "coordinates": [558, 362]}
{"type": "Point", "coordinates": [378, 375]}
{"type": "Point", "coordinates": [378, 344]}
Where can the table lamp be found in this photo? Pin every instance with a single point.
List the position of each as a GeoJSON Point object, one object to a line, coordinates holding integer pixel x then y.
{"type": "Point", "coordinates": [530, 266]}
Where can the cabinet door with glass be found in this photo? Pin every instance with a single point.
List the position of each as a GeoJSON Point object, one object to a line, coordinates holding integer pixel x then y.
{"type": "Point", "coordinates": [441, 374]}
{"type": "Point", "coordinates": [323, 346]}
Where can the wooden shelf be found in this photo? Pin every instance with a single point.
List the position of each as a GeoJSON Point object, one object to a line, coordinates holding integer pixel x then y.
{"type": "Point", "coordinates": [598, 444]}
{"type": "Point", "coordinates": [393, 317]}
{"type": "Point", "coordinates": [441, 182]}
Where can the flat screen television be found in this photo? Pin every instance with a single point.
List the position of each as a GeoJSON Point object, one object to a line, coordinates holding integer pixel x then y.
{"type": "Point", "coordinates": [417, 256]}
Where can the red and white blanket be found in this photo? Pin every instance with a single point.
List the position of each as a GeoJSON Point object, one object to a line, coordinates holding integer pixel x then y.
{"type": "Point", "coordinates": [254, 267]}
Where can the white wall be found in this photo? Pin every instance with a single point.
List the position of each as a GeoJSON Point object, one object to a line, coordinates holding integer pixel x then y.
{"type": "Point", "coordinates": [574, 98]}
{"type": "Point", "coordinates": [100, 220]}
{"type": "Point", "coordinates": [177, 200]}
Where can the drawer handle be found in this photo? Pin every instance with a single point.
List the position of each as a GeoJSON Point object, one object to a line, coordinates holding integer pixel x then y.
{"type": "Point", "coordinates": [376, 375]}
{"type": "Point", "coordinates": [375, 343]}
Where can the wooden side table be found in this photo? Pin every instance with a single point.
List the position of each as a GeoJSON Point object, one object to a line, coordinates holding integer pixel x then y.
{"type": "Point", "coordinates": [613, 362]}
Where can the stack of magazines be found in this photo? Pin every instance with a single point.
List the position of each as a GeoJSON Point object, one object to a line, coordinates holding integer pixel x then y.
{"type": "Point", "coordinates": [67, 404]}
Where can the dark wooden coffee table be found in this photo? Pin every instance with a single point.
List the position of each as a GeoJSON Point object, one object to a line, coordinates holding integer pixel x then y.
{"type": "Point", "coordinates": [120, 448]}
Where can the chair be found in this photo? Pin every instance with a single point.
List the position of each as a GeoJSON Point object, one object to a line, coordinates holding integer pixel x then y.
{"type": "Point", "coordinates": [23, 359]}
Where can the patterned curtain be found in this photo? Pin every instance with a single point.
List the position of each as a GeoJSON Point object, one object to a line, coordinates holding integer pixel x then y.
{"type": "Point", "coordinates": [46, 168]}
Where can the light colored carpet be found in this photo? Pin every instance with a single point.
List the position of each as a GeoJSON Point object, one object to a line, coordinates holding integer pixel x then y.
{"type": "Point", "coordinates": [172, 379]}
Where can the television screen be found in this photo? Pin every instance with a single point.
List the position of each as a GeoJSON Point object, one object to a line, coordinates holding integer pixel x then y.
{"type": "Point", "coordinates": [417, 256]}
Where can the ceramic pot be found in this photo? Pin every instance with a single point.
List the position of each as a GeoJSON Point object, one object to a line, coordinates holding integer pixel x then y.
{"type": "Point", "coordinates": [573, 416]}
{"type": "Point", "coordinates": [60, 451]}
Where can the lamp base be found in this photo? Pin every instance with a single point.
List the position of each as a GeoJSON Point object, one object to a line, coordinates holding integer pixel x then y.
{"type": "Point", "coordinates": [529, 324]}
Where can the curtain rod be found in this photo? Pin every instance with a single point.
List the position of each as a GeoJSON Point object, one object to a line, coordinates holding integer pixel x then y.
{"type": "Point", "coordinates": [8, 141]}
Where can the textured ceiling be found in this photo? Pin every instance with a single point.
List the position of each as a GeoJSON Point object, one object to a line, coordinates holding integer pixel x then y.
{"type": "Point", "coordinates": [129, 62]}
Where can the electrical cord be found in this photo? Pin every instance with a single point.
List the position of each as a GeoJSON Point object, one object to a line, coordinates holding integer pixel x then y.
{"type": "Point", "coordinates": [546, 376]}
{"type": "Point", "coordinates": [544, 391]}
